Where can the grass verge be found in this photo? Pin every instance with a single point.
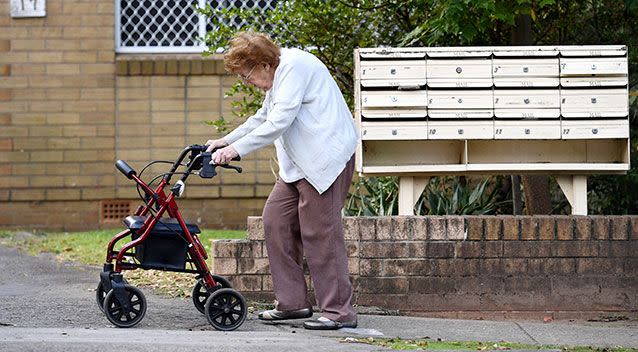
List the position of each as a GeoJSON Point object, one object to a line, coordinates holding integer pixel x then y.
{"type": "Point", "coordinates": [433, 345]}
{"type": "Point", "coordinates": [90, 248]}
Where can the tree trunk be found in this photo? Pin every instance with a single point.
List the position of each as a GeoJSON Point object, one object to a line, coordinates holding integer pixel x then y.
{"type": "Point", "coordinates": [537, 196]}
{"type": "Point", "coordinates": [517, 202]}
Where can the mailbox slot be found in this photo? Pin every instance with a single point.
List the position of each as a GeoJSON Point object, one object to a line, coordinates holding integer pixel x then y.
{"type": "Point", "coordinates": [466, 130]}
{"type": "Point", "coordinates": [395, 73]}
{"type": "Point", "coordinates": [525, 72]}
{"type": "Point", "coordinates": [528, 103]}
{"type": "Point", "coordinates": [455, 73]}
{"type": "Point", "coordinates": [394, 131]}
{"type": "Point", "coordinates": [599, 129]}
{"type": "Point", "coordinates": [570, 66]}
{"type": "Point", "coordinates": [593, 72]}
{"type": "Point", "coordinates": [460, 104]}
{"type": "Point", "coordinates": [527, 129]}
{"type": "Point", "coordinates": [394, 104]}
{"type": "Point", "coordinates": [594, 103]}
{"type": "Point", "coordinates": [381, 99]}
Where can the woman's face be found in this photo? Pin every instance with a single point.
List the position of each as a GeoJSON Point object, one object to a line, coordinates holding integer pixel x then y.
{"type": "Point", "coordinates": [260, 76]}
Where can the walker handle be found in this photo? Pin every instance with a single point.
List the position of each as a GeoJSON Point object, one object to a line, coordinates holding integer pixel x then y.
{"type": "Point", "coordinates": [125, 169]}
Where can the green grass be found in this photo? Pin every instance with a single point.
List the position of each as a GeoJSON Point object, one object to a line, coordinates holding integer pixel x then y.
{"type": "Point", "coordinates": [89, 248]}
{"type": "Point", "coordinates": [433, 345]}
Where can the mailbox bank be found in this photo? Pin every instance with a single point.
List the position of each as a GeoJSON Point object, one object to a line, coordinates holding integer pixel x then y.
{"type": "Point", "coordinates": [559, 110]}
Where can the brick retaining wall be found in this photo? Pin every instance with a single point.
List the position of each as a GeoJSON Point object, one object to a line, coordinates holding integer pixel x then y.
{"type": "Point", "coordinates": [471, 266]}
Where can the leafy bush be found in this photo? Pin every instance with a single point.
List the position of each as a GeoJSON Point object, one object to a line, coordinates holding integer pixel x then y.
{"type": "Point", "coordinates": [441, 196]}
{"type": "Point", "coordinates": [453, 195]}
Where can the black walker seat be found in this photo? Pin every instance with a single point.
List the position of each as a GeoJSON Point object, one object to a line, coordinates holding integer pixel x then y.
{"type": "Point", "coordinates": [164, 248]}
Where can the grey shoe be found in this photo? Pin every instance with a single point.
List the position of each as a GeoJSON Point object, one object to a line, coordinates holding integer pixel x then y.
{"type": "Point", "coordinates": [275, 314]}
{"type": "Point", "coordinates": [327, 324]}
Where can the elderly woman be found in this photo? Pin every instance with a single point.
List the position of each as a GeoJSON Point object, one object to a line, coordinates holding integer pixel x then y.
{"type": "Point", "coordinates": [307, 119]}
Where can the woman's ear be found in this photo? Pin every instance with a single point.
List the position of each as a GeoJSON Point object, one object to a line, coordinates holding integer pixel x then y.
{"type": "Point", "coordinates": [267, 67]}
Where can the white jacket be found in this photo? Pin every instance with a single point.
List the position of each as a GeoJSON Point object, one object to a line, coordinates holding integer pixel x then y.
{"type": "Point", "coordinates": [305, 111]}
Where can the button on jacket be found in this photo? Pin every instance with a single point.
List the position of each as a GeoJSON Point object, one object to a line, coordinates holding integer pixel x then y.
{"type": "Point", "coordinates": [306, 114]}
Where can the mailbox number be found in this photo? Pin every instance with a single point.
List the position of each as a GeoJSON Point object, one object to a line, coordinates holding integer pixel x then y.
{"type": "Point", "coordinates": [498, 131]}
{"type": "Point", "coordinates": [433, 131]}
{"type": "Point", "coordinates": [565, 130]}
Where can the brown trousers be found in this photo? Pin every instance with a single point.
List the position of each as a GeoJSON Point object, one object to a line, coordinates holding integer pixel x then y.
{"type": "Point", "coordinates": [297, 221]}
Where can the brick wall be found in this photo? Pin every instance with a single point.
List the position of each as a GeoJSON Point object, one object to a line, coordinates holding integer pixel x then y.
{"type": "Point", "coordinates": [70, 107]}
{"type": "Point", "coordinates": [56, 108]}
{"type": "Point", "coordinates": [471, 267]}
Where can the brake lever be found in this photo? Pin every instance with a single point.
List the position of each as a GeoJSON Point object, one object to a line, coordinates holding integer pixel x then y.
{"type": "Point", "coordinates": [227, 166]}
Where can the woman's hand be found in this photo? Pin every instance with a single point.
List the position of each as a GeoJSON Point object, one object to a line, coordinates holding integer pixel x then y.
{"type": "Point", "coordinates": [215, 144]}
{"type": "Point", "coordinates": [224, 155]}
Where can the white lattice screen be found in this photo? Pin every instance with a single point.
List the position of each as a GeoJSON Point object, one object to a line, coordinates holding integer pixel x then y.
{"type": "Point", "coordinates": [157, 26]}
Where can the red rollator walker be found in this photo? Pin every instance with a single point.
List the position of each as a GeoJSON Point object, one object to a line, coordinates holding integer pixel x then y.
{"type": "Point", "coordinates": [168, 243]}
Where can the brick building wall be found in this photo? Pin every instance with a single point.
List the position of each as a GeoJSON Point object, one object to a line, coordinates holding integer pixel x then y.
{"type": "Point", "coordinates": [70, 107]}
{"type": "Point", "coordinates": [471, 266]}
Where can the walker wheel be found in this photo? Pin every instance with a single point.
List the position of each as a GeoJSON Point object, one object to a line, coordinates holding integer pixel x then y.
{"type": "Point", "coordinates": [200, 293]}
{"type": "Point", "coordinates": [115, 313]}
{"type": "Point", "coordinates": [226, 309]}
{"type": "Point", "coordinates": [100, 294]}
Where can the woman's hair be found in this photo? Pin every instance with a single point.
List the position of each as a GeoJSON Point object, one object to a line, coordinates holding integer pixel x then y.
{"type": "Point", "coordinates": [248, 49]}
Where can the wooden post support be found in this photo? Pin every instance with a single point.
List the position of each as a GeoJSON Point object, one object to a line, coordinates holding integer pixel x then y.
{"type": "Point", "coordinates": [410, 189]}
{"type": "Point", "coordinates": [575, 189]}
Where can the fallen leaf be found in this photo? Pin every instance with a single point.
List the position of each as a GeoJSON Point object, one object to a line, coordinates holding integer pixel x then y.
{"type": "Point", "coordinates": [547, 319]}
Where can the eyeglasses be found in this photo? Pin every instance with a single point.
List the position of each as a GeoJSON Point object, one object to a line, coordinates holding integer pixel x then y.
{"type": "Point", "coordinates": [246, 77]}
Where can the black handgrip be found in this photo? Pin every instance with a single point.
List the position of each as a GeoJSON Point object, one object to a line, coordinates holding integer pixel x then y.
{"type": "Point", "coordinates": [125, 168]}
{"type": "Point", "coordinates": [208, 170]}
{"type": "Point", "coordinates": [237, 158]}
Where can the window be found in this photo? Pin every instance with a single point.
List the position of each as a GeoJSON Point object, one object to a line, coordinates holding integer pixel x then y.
{"type": "Point", "coordinates": [169, 26]}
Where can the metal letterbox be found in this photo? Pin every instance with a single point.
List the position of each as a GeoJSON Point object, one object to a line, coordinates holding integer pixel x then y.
{"type": "Point", "coordinates": [527, 129]}
{"type": "Point", "coordinates": [525, 72]}
{"type": "Point", "coordinates": [394, 131]}
{"type": "Point", "coordinates": [457, 73]}
{"type": "Point", "coordinates": [465, 130]}
{"type": "Point", "coordinates": [394, 104]}
{"type": "Point", "coordinates": [594, 129]}
{"type": "Point", "coordinates": [558, 109]}
{"type": "Point", "coordinates": [460, 104]}
{"type": "Point", "coordinates": [380, 99]}
{"type": "Point", "coordinates": [592, 103]}
{"type": "Point", "coordinates": [527, 103]}
{"type": "Point", "coordinates": [593, 71]}
{"type": "Point", "coordinates": [393, 73]}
